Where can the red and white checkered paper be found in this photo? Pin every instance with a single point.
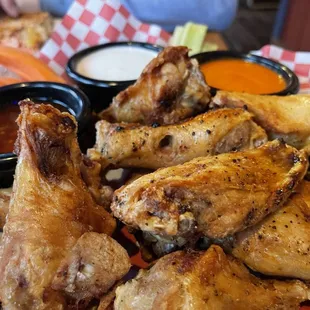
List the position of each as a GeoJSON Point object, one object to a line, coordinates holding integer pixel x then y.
{"type": "Point", "coordinates": [90, 22]}
{"type": "Point", "coordinates": [299, 62]}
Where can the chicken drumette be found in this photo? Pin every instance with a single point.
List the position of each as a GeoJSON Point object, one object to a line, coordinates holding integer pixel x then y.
{"type": "Point", "coordinates": [206, 280]}
{"type": "Point", "coordinates": [133, 145]}
{"type": "Point", "coordinates": [286, 117]}
{"type": "Point", "coordinates": [171, 88]}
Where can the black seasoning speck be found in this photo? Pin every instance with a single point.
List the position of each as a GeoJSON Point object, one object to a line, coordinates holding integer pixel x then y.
{"type": "Point", "coordinates": [155, 125]}
{"type": "Point", "coordinates": [208, 131]}
{"type": "Point", "coordinates": [119, 128]}
{"type": "Point", "coordinates": [134, 147]}
{"type": "Point", "coordinates": [193, 133]}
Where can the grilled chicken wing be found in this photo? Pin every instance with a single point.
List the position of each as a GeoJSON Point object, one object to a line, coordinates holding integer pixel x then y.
{"type": "Point", "coordinates": [206, 280]}
{"type": "Point", "coordinates": [170, 89]}
{"type": "Point", "coordinates": [221, 131]}
{"type": "Point", "coordinates": [285, 117]}
{"type": "Point", "coordinates": [279, 245]}
{"type": "Point", "coordinates": [214, 196]}
{"type": "Point", "coordinates": [52, 252]}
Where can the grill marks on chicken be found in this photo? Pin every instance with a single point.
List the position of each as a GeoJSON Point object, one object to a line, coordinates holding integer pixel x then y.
{"type": "Point", "coordinates": [279, 245]}
{"type": "Point", "coordinates": [51, 214]}
{"type": "Point", "coordinates": [214, 196]}
{"type": "Point", "coordinates": [130, 145]}
{"type": "Point", "coordinates": [206, 280]}
{"type": "Point", "coordinates": [286, 117]}
{"type": "Point", "coordinates": [171, 88]}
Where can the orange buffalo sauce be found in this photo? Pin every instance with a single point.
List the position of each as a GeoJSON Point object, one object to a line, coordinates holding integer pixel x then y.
{"type": "Point", "coordinates": [239, 75]}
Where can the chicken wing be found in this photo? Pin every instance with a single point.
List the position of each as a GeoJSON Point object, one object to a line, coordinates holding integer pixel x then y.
{"type": "Point", "coordinates": [285, 117]}
{"type": "Point", "coordinates": [5, 195]}
{"type": "Point", "coordinates": [206, 280]}
{"type": "Point", "coordinates": [53, 223]}
{"type": "Point", "coordinates": [279, 245]}
{"type": "Point", "coordinates": [91, 174]}
{"type": "Point", "coordinates": [221, 131]}
{"type": "Point", "coordinates": [170, 89]}
{"type": "Point", "coordinates": [213, 196]}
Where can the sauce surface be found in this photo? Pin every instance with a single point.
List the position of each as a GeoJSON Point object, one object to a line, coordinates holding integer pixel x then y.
{"type": "Point", "coordinates": [117, 63]}
{"type": "Point", "coordinates": [8, 126]}
{"type": "Point", "coordinates": [242, 76]}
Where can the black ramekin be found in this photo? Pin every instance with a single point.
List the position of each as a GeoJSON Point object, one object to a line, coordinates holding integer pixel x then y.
{"type": "Point", "coordinates": [101, 92]}
{"type": "Point", "coordinates": [290, 78]}
{"type": "Point", "coordinates": [69, 97]}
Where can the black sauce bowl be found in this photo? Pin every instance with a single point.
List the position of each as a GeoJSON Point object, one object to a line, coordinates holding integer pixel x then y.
{"type": "Point", "coordinates": [101, 92]}
{"type": "Point", "coordinates": [67, 96]}
{"type": "Point", "coordinates": [290, 78]}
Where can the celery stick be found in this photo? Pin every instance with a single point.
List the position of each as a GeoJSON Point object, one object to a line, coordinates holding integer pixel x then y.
{"type": "Point", "coordinates": [176, 36]}
{"type": "Point", "coordinates": [193, 37]}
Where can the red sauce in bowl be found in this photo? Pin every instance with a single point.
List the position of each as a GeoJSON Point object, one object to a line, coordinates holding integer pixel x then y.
{"type": "Point", "coordinates": [8, 126]}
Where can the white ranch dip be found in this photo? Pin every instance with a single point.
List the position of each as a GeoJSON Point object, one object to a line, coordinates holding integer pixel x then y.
{"type": "Point", "coordinates": [115, 63]}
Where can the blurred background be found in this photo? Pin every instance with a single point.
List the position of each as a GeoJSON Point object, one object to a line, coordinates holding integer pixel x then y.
{"type": "Point", "coordinates": [259, 22]}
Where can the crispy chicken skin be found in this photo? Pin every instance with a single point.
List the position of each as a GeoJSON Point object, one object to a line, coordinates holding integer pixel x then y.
{"type": "Point", "coordinates": [286, 117]}
{"type": "Point", "coordinates": [130, 145]}
{"type": "Point", "coordinates": [214, 196]}
{"type": "Point", "coordinates": [171, 88]}
{"type": "Point", "coordinates": [279, 245]}
{"type": "Point", "coordinates": [91, 175]}
{"type": "Point", "coordinates": [206, 280]}
{"type": "Point", "coordinates": [5, 195]}
{"type": "Point", "coordinates": [51, 217]}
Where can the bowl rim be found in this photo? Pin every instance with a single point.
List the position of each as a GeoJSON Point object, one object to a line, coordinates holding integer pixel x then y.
{"type": "Point", "coordinates": [77, 77]}
{"type": "Point", "coordinates": [291, 79]}
{"type": "Point", "coordinates": [81, 117]}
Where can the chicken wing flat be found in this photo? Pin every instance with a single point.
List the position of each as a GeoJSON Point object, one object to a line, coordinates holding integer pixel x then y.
{"type": "Point", "coordinates": [170, 89]}
{"type": "Point", "coordinates": [213, 196]}
{"type": "Point", "coordinates": [286, 117]}
{"type": "Point", "coordinates": [206, 280]}
{"type": "Point", "coordinates": [221, 131]}
{"type": "Point", "coordinates": [279, 245]}
{"type": "Point", "coordinates": [51, 251]}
